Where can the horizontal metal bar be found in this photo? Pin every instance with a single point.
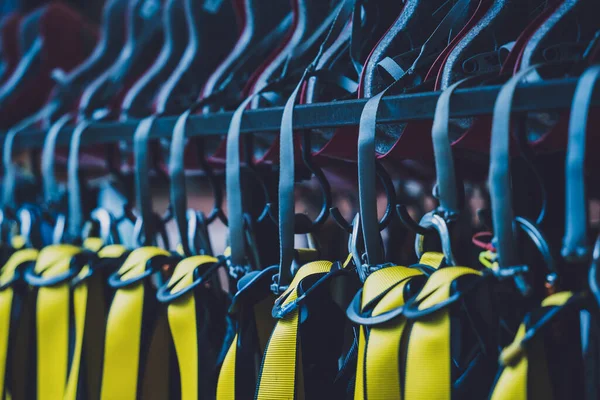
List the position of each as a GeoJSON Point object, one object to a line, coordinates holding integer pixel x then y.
{"type": "Point", "coordinates": [547, 95]}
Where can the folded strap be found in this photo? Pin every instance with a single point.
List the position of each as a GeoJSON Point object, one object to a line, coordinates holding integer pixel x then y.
{"type": "Point", "coordinates": [281, 369]}
{"type": "Point", "coordinates": [6, 308]}
{"type": "Point", "coordinates": [52, 321]}
{"type": "Point", "coordinates": [124, 329]}
{"type": "Point", "coordinates": [378, 367]}
{"type": "Point", "coordinates": [183, 325]}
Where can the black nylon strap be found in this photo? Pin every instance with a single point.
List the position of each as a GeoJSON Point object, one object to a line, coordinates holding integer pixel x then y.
{"type": "Point", "coordinates": [233, 185]}
{"type": "Point", "coordinates": [575, 242]}
{"type": "Point", "coordinates": [500, 180]}
{"type": "Point", "coordinates": [366, 141]}
{"type": "Point", "coordinates": [75, 224]}
{"type": "Point", "coordinates": [392, 68]}
{"type": "Point", "coordinates": [48, 158]}
{"type": "Point", "coordinates": [286, 154]}
{"type": "Point", "coordinates": [142, 174]}
{"type": "Point", "coordinates": [356, 37]}
{"type": "Point", "coordinates": [10, 169]}
{"type": "Point", "coordinates": [177, 176]}
{"type": "Point", "coordinates": [446, 183]}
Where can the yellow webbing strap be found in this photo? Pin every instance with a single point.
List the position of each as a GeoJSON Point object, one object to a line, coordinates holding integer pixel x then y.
{"type": "Point", "coordinates": [513, 382]}
{"type": "Point", "coordinates": [6, 301]}
{"type": "Point", "coordinates": [123, 330]}
{"type": "Point", "coordinates": [377, 371]}
{"type": "Point", "coordinates": [278, 373]}
{"type": "Point", "coordinates": [226, 382]}
{"type": "Point", "coordinates": [183, 325]}
{"type": "Point", "coordinates": [428, 373]}
{"type": "Point", "coordinates": [52, 322]}
{"type": "Point", "coordinates": [80, 308]}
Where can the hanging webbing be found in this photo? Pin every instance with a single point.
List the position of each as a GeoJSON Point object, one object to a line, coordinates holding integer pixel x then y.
{"type": "Point", "coordinates": [123, 346]}
{"type": "Point", "coordinates": [429, 342]}
{"type": "Point", "coordinates": [525, 366]}
{"type": "Point", "coordinates": [89, 319]}
{"type": "Point", "coordinates": [52, 321]}
{"type": "Point", "coordinates": [9, 316]}
{"type": "Point", "coordinates": [197, 321]}
{"type": "Point", "coordinates": [254, 323]}
{"type": "Point", "coordinates": [279, 376]}
{"type": "Point", "coordinates": [378, 367]}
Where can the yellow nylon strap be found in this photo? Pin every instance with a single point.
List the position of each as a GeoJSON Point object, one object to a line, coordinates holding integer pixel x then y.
{"type": "Point", "coordinates": [80, 305]}
{"type": "Point", "coordinates": [378, 358]}
{"type": "Point", "coordinates": [359, 384]}
{"type": "Point", "coordinates": [428, 358]}
{"type": "Point", "coordinates": [17, 242]}
{"type": "Point", "coordinates": [278, 374]}
{"type": "Point", "coordinates": [377, 283]}
{"type": "Point", "coordinates": [182, 322]}
{"type": "Point", "coordinates": [6, 299]}
{"type": "Point", "coordinates": [513, 382]}
{"type": "Point", "coordinates": [432, 258]}
{"type": "Point", "coordinates": [52, 321]}
{"type": "Point", "coordinates": [123, 330]}
{"type": "Point", "coordinates": [93, 244]}
{"type": "Point", "coordinates": [382, 362]}
{"type": "Point", "coordinates": [226, 382]}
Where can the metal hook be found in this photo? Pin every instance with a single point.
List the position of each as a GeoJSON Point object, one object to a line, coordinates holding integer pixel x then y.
{"type": "Point", "coordinates": [107, 226]}
{"type": "Point", "coordinates": [433, 220]}
{"type": "Point", "coordinates": [390, 193]}
{"type": "Point", "coordinates": [305, 225]}
{"type": "Point", "coordinates": [200, 242]}
{"type": "Point", "coordinates": [10, 169]}
{"type": "Point", "coordinates": [149, 222]}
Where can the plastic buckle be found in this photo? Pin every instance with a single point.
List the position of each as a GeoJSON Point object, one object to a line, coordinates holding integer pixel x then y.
{"type": "Point", "coordinates": [355, 315]}
{"type": "Point", "coordinates": [280, 311]}
{"type": "Point", "coordinates": [93, 266]}
{"type": "Point", "coordinates": [411, 307]}
{"type": "Point", "coordinates": [164, 294]}
{"type": "Point", "coordinates": [115, 282]}
{"type": "Point", "coordinates": [236, 271]}
{"type": "Point", "coordinates": [75, 265]}
{"type": "Point", "coordinates": [509, 272]}
{"type": "Point", "coordinates": [275, 288]}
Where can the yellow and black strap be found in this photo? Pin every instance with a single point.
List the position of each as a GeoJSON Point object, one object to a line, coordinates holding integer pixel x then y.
{"type": "Point", "coordinates": [428, 358]}
{"type": "Point", "coordinates": [381, 329]}
{"type": "Point", "coordinates": [11, 309]}
{"type": "Point", "coordinates": [52, 276]}
{"type": "Point", "coordinates": [251, 309]}
{"type": "Point", "coordinates": [525, 373]}
{"type": "Point", "coordinates": [282, 375]}
{"type": "Point", "coordinates": [197, 320]}
{"type": "Point", "coordinates": [130, 328]}
{"type": "Point", "coordinates": [89, 317]}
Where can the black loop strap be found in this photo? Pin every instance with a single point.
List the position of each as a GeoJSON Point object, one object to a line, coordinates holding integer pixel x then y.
{"type": "Point", "coordinates": [575, 242]}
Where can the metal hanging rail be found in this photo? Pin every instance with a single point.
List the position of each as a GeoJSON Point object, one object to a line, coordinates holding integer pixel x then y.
{"type": "Point", "coordinates": [546, 95]}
